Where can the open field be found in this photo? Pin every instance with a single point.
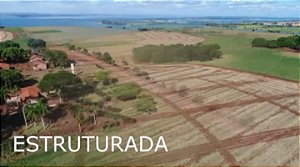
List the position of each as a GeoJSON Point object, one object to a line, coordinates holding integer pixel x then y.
{"type": "Point", "coordinates": [235, 45]}
{"type": "Point", "coordinates": [119, 43]}
{"type": "Point", "coordinates": [224, 117]}
{"type": "Point", "coordinates": [238, 53]}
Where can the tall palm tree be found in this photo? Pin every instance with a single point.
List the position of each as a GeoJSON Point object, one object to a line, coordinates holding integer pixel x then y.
{"type": "Point", "coordinates": [77, 112]}
{"type": "Point", "coordinates": [32, 114]}
{"type": "Point", "coordinates": [93, 109]}
{"type": "Point", "coordinates": [38, 110]}
{"type": "Point", "coordinates": [42, 110]}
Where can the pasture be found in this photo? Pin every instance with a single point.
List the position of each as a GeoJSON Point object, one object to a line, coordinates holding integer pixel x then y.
{"type": "Point", "coordinates": [239, 54]}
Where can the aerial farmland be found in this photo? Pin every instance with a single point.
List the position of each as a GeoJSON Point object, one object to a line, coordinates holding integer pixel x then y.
{"type": "Point", "coordinates": [174, 89]}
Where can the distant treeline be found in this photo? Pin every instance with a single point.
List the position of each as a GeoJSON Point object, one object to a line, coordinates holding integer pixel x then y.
{"type": "Point", "coordinates": [292, 42]}
{"type": "Point", "coordinates": [176, 53]}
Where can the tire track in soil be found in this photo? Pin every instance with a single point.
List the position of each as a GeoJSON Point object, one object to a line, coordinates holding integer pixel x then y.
{"type": "Point", "coordinates": [284, 107]}
{"type": "Point", "coordinates": [209, 108]}
{"type": "Point", "coordinates": [205, 149]}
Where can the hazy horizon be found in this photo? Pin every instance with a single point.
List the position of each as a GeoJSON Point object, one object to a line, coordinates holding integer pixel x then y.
{"type": "Point", "coordinates": [156, 8]}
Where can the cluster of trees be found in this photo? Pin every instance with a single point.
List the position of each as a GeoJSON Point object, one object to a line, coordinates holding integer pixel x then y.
{"type": "Point", "coordinates": [56, 58]}
{"type": "Point", "coordinates": [73, 47]}
{"type": "Point", "coordinates": [9, 79]}
{"type": "Point", "coordinates": [106, 57]}
{"type": "Point", "coordinates": [177, 53]}
{"type": "Point", "coordinates": [12, 53]}
{"type": "Point", "coordinates": [292, 42]}
{"type": "Point", "coordinates": [36, 44]}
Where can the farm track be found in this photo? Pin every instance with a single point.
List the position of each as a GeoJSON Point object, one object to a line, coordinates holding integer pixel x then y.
{"type": "Point", "coordinates": [227, 83]}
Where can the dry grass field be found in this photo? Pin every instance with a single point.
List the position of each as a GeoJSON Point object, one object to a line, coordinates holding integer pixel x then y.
{"type": "Point", "coordinates": [222, 117]}
{"type": "Point", "coordinates": [119, 43]}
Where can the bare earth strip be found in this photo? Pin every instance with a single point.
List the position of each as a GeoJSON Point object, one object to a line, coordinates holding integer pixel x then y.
{"type": "Point", "coordinates": [239, 118]}
{"type": "Point", "coordinates": [5, 35]}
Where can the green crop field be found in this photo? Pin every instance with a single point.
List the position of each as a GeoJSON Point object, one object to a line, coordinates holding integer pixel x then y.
{"type": "Point", "coordinates": [239, 54]}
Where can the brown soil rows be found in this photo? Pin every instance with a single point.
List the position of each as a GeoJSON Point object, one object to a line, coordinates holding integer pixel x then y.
{"type": "Point", "coordinates": [212, 139]}
{"type": "Point", "coordinates": [205, 109]}
{"type": "Point", "coordinates": [204, 149]}
{"type": "Point", "coordinates": [259, 97]}
{"type": "Point", "coordinates": [209, 87]}
{"type": "Point", "coordinates": [214, 145]}
{"type": "Point", "coordinates": [209, 108]}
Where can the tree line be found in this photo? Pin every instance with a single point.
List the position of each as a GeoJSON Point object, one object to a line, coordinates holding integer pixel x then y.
{"type": "Point", "coordinates": [177, 53]}
{"type": "Point", "coordinates": [292, 42]}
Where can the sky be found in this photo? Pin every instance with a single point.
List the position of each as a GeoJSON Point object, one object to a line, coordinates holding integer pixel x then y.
{"type": "Point", "coordinates": [178, 8]}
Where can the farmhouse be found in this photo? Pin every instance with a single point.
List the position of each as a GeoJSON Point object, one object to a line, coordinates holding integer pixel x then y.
{"type": "Point", "coordinates": [30, 94]}
{"type": "Point", "coordinates": [38, 63]}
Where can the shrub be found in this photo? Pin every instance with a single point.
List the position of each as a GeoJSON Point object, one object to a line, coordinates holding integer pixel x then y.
{"type": "Point", "coordinates": [259, 42]}
{"type": "Point", "coordinates": [102, 75]}
{"type": "Point", "coordinates": [127, 91]}
{"type": "Point", "coordinates": [145, 104]}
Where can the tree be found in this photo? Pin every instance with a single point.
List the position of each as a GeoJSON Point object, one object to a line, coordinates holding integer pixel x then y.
{"type": "Point", "coordinates": [58, 80]}
{"type": "Point", "coordinates": [77, 113]}
{"type": "Point", "coordinates": [71, 47]}
{"type": "Point", "coordinates": [259, 42]}
{"type": "Point", "coordinates": [272, 44]}
{"type": "Point", "coordinates": [107, 58]}
{"type": "Point", "coordinates": [36, 43]}
{"type": "Point", "coordinates": [15, 55]}
{"type": "Point", "coordinates": [40, 109]}
{"type": "Point", "coordinates": [32, 114]}
{"type": "Point", "coordinates": [85, 51]}
{"type": "Point", "coordinates": [10, 78]}
{"type": "Point", "coordinates": [8, 44]}
{"type": "Point", "coordinates": [93, 108]}
{"type": "Point", "coordinates": [56, 58]}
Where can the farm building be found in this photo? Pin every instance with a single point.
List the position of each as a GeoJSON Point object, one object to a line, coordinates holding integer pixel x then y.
{"type": "Point", "coordinates": [38, 63]}
{"type": "Point", "coordinates": [30, 94]}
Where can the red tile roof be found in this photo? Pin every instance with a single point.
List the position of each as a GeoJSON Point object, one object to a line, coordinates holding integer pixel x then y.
{"type": "Point", "coordinates": [4, 66]}
{"type": "Point", "coordinates": [29, 92]}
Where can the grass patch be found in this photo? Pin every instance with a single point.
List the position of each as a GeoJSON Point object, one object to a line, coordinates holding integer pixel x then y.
{"type": "Point", "coordinates": [239, 54]}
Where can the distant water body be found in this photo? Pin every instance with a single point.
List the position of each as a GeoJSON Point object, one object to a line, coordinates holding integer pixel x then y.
{"type": "Point", "coordinates": [8, 20]}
